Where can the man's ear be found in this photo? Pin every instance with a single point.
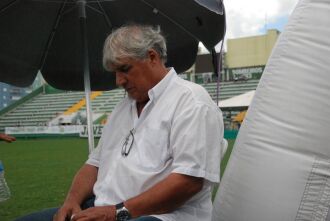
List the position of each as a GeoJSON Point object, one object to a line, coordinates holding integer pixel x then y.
{"type": "Point", "coordinates": [153, 56]}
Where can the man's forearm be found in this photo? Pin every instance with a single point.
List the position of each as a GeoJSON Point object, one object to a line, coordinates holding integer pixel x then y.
{"type": "Point", "coordinates": [82, 185]}
{"type": "Point", "coordinates": [165, 196]}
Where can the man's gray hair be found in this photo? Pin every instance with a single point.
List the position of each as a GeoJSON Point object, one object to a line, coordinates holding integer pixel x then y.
{"type": "Point", "coordinates": [133, 41]}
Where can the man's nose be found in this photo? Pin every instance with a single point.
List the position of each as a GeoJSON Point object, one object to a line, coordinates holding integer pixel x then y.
{"type": "Point", "coordinates": [120, 79]}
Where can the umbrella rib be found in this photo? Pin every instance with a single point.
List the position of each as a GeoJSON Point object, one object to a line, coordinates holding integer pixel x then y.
{"type": "Point", "coordinates": [72, 1]}
{"type": "Point", "coordinates": [105, 14]}
{"type": "Point", "coordinates": [50, 39]}
{"type": "Point", "coordinates": [8, 5]}
{"type": "Point", "coordinates": [69, 10]}
{"type": "Point", "coordinates": [102, 1]}
{"type": "Point", "coordinates": [54, 1]}
{"type": "Point", "coordinates": [157, 11]}
{"type": "Point", "coordinates": [94, 9]}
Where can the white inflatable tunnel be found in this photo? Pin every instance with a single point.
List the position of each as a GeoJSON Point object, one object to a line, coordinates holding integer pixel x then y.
{"type": "Point", "coordinates": [279, 169]}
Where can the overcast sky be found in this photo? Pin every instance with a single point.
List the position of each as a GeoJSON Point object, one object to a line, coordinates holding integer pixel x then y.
{"type": "Point", "coordinates": [253, 17]}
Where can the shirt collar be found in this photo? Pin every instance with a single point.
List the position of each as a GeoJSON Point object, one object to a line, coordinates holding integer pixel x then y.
{"type": "Point", "coordinates": [159, 88]}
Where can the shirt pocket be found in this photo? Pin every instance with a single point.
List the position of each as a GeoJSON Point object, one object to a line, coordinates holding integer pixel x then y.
{"type": "Point", "coordinates": [153, 148]}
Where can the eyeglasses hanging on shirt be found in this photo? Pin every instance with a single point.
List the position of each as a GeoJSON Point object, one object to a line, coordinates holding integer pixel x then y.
{"type": "Point", "coordinates": [128, 143]}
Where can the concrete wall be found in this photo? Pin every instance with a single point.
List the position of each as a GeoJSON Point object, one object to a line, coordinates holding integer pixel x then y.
{"type": "Point", "coordinates": [250, 51]}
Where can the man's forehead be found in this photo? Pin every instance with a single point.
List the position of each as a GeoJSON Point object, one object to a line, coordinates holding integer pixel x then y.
{"type": "Point", "coordinates": [119, 62]}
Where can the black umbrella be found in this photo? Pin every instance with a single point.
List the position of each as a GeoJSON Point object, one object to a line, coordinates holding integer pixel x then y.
{"type": "Point", "coordinates": [64, 38]}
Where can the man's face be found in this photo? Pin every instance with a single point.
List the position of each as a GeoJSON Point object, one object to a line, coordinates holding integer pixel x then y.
{"type": "Point", "coordinates": [135, 76]}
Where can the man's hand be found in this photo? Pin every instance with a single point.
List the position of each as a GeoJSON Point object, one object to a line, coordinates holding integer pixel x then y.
{"type": "Point", "coordinates": [99, 213]}
{"type": "Point", "coordinates": [7, 138]}
{"type": "Point", "coordinates": [66, 211]}
{"type": "Point", "coordinates": [81, 189]}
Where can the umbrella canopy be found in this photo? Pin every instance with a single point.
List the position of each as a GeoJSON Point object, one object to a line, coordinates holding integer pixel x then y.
{"type": "Point", "coordinates": [46, 35]}
{"type": "Point", "coordinates": [64, 38]}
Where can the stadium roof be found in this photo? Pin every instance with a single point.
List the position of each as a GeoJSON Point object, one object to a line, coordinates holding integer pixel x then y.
{"type": "Point", "coordinates": [238, 102]}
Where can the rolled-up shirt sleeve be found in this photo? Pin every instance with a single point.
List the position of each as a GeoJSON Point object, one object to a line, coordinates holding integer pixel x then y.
{"type": "Point", "coordinates": [196, 142]}
{"type": "Point", "coordinates": [94, 156]}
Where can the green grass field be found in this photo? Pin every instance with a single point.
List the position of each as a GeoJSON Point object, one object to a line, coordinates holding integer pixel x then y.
{"type": "Point", "coordinates": [39, 172]}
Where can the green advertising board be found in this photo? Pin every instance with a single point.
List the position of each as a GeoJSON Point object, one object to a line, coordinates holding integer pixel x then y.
{"type": "Point", "coordinates": [244, 73]}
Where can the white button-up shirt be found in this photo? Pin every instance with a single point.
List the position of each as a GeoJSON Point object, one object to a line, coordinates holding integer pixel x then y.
{"type": "Point", "coordinates": [180, 130]}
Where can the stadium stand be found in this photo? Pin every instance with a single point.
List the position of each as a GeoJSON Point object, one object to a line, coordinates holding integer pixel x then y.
{"type": "Point", "coordinates": [230, 88]}
{"type": "Point", "coordinates": [42, 108]}
{"type": "Point", "coordinates": [38, 110]}
{"type": "Point", "coordinates": [107, 101]}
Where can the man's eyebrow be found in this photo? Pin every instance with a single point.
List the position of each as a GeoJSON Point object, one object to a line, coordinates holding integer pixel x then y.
{"type": "Point", "coordinates": [123, 68]}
